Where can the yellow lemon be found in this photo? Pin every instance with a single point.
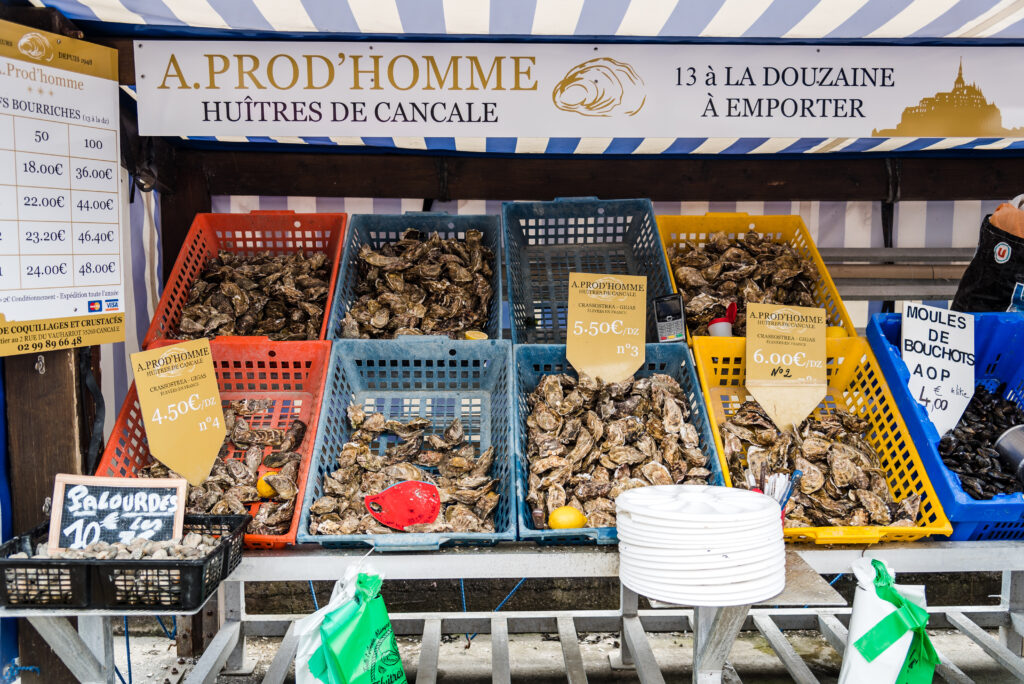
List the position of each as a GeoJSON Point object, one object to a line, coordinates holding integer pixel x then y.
{"type": "Point", "coordinates": [264, 489]}
{"type": "Point", "coordinates": [834, 331]}
{"type": "Point", "coordinates": [475, 335]}
{"type": "Point", "coordinates": [566, 517]}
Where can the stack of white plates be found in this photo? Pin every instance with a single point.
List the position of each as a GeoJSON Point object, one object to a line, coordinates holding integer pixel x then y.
{"type": "Point", "coordinates": [701, 546]}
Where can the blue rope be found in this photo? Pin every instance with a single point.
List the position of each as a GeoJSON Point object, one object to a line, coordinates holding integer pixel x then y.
{"type": "Point", "coordinates": [462, 590]}
{"type": "Point", "coordinates": [169, 634]}
{"type": "Point", "coordinates": [127, 650]}
{"type": "Point", "coordinates": [835, 579]}
{"type": "Point", "coordinates": [316, 604]}
{"type": "Point", "coordinates": [500, 605]}
{"type": "Point", "coordinates": [11, 671]}
{"type": "Point", "coordinates": [118, 673]}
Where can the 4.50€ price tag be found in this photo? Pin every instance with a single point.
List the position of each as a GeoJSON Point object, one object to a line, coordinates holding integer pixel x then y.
{"type": "Point", "coordinates": [786, 360]}
{"type": "Point", "coordinates": [607, 325]}
{"type": "Point", "coordinates": [181, 407]}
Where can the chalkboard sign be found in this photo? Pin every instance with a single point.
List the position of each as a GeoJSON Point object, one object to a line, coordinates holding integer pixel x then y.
{"type": "Point", "coordinates": [87, 510]}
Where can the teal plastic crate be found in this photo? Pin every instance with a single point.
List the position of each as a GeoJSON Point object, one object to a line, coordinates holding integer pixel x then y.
{"type": "Point", "coordinates": [535, 361]}
{"type": "Point", "coordinates": [376, 230]}
{"type": "Point", "coordinates": [431, 377]}
{"type": "Point", "coordinates": [546, 241]}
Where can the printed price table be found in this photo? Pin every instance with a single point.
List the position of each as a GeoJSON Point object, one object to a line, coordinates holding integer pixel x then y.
{"type": "Point", "coordinates": [61, 282]}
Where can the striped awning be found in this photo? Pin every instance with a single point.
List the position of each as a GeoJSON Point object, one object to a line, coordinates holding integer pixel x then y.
{"type": "Point", "coordinates": [914, 20]}
{"type": "Point", "coordinates": [891, 21]}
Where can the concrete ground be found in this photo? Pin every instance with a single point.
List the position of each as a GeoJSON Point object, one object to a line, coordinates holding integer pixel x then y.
{"type": "Point", "coordinates": [537, 659]}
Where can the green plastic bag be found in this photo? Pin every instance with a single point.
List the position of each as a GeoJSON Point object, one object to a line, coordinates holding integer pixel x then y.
{"type": "Point", "coordinates": [357, 643]}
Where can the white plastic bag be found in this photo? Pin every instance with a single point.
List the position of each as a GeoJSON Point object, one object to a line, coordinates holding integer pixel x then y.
{"type": "Point", "coordinates": [308, 628]}
{"type": "Point", "coordinates": [869, 610]}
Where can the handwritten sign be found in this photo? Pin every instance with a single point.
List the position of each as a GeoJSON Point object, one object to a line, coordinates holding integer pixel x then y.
{"type": "Point", "coordinates": [786, 360]}
{"type": "Point", "coordinates": [938, 347]}
{"type": "Point", "coordinates": [607, 325]}
{"type": "Point", "coordinates": [87, 510]}
{"type": "Point", "coordinates": [181, 407]}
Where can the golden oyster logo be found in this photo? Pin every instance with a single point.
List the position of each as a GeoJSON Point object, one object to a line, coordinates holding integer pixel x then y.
{"type": "Point", "coordinates": [600, 87]}
{"type": "Point", "coordinates": [36, 46]}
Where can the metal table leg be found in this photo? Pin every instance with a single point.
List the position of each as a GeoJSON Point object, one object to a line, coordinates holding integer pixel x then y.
{"type": "Point", "coordinates": [715, 631]}
{"type": "Point", "coordinates": [81, 651]}
{"type": "Point", "coordinates": [234, 611]}
{"type": "Point", "coordinates": [629, 605]}
{"type": "Point", "coordinates": [1013, 601]}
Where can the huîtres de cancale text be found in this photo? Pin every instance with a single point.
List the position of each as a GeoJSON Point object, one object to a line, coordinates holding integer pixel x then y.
{"type": "Point", "coordinates": [313, 72]}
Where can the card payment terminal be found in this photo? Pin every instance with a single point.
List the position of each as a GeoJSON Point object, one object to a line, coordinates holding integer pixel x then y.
{"type": "Point", "coordinates": [670, 318]}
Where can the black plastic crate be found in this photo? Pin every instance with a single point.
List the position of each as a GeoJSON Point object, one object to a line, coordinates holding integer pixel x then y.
{"type": "Point", "coordinates": [126, 585]}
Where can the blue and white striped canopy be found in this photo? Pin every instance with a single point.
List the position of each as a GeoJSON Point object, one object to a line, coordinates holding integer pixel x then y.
{"type": "Point", "coordinates": [914, 20]}
{"type": "Point", "coordinates": [890, 21]}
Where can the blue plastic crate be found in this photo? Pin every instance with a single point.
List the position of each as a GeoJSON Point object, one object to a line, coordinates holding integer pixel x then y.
{"type": "Point", "coordinates": [998, 359]}
{"type": "Point", "coordinates": [546, 241]}
{"type": "Point", "coordinates": [376, 230]}
{"type": "Point", "coordinates": [536, 361]}
{"type": "Point", "coordinates": [431, 377]}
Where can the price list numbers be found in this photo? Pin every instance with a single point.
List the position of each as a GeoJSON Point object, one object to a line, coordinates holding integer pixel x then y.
{"type": "Point", "coordinates": [59, 206]}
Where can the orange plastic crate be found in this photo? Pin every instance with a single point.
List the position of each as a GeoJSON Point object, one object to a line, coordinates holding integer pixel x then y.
{"type": "Point", "coordinates": [277, 232]}
{"type": "Point", "coordinates": [292, 374]}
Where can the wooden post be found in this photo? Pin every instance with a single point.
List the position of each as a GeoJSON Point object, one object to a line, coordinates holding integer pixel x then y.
{"type": "Point", "coordinates": [44, 438]}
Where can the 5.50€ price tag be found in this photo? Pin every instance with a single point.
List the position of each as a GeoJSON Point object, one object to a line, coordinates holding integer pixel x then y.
{"type": "Point", "coordinates": [181, 407]}
{"type": "Point", "coordinates": [607, 325]}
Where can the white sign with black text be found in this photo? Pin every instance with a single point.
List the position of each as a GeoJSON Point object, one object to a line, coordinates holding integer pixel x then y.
{"type": "Point", "coordinates": [938, 347]}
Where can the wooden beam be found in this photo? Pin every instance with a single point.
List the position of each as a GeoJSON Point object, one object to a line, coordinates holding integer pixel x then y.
{"type": "Point", "coordinates": [190, 196]}
{"type": "Point", "coordinates": [961, 178]}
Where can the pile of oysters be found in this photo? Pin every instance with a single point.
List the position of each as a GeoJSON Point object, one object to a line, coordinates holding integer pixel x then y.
{"type": "Point", "coordinates": [282, 297]}
{"type": "Point", "coordinates": [422, 285]}
{"type": "Point", "coordinates": [749, 269]}
{"type": "Point", "coordinates": [232, 481]}
{"type": "Point", "coordinates": [843, 482]}
{"type": "Point", "coordinates": [372, 461]}
{"type": "Point", "coordinates": [589, 441]}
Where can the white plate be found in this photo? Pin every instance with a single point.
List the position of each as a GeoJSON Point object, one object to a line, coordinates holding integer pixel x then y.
{"type": "Point", "coordinates": [704, 597]}
{"type": "Point", "coordinates": [701, 559]}
{"type": "Point", "coordinates": [696, 503]}
{"type": "Point", "coordinates": [643, 547]}
{"type": "Point", "coordinates": [725, 562]}
{"type": "Point", "coordinates": [684, 536]}
{"type": "Point", "coordinates": [698, 578]}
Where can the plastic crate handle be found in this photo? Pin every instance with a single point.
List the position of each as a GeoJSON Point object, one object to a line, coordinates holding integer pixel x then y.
{"type": "Point", "coordinates": [425, 213]}
{"type": "Point", "coordinates": [584, 198]}
{"type": "Point", "coordinates": [725, 214]}
{"type": "Point", "coordinates": [272, 212]}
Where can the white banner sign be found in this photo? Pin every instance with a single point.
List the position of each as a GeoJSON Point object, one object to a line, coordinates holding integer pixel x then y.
{"type": "Point", "coordinates": [938, 348]}
{"type": "Point", "coordinates": [494, 90]}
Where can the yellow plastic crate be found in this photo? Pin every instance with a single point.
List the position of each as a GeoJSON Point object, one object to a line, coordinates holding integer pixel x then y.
{"type": "Point", "coordinates": [789, 229]}
{"type": "Point", "coordinates": [856, 384]}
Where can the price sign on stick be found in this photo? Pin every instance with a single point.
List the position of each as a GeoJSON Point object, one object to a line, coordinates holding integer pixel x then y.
{"type": "Point", "coordinates": [607, 325]}
{"type": "Point", "coordinates": [786, 360]}
{"type": "Point", "coordinates": [87, 510]}
{"type": "Point", "coordinates": [938, 347]}
{"type": "Point", "coordinates": [181, 407]}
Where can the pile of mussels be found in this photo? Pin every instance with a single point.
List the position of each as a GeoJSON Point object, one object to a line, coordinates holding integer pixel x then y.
{"type": "Point", "coordinates": [967, 448]}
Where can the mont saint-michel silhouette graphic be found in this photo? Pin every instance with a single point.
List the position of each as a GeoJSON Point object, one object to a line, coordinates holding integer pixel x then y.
{"type": "Point", "coordinates": [961, 112]}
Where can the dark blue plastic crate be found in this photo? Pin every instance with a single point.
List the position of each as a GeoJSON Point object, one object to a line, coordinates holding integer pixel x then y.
{"type": "Point", "coordinates": [998, 358]}
{"type": "Point", "coordinates": [536, 361]}
{"type": "Point", "coordinates": [376, 230]}
{"type": "Point", "coordinates": [431, 377]}
{"type": "Point", "coordinates": [546, 241]}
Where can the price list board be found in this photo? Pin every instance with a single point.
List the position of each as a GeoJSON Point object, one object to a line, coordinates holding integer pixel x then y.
{"type": "Point", "coordinates": [61, 217]}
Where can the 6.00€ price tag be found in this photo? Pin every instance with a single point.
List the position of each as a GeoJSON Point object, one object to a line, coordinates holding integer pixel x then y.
{"type": "Point", "coordinates": [181, 407]}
